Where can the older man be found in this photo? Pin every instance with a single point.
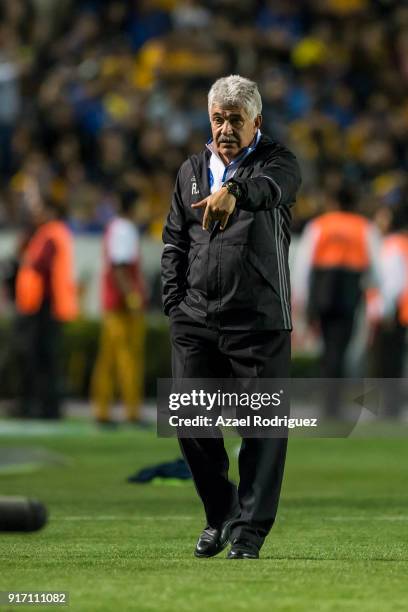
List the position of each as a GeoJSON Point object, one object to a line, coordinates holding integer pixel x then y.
{"type": "Point", "coordinates": [226, 290]}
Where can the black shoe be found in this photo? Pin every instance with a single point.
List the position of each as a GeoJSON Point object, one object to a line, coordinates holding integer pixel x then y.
{"type": "Point", "coordinates": [243, 549]}
{"type": "Point", "coordinates": [212, 541]}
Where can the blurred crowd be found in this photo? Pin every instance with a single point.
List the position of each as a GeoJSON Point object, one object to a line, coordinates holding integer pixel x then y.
{"type": "Point", "coordinates": [101, 96]}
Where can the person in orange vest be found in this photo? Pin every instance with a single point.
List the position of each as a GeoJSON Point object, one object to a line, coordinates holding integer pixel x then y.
{"type": "Point", "coordinates": [390, 318]}
{"type": "Point", "coordinates": [45, 298]}
{"type": "Point", "coordinates": [121, 350]}
{"type": "Point", "coordinates": [337, 255]}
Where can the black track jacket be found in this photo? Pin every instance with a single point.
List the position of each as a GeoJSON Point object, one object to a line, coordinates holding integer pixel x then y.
{"type": "Point", "coordinates": [236, 278]}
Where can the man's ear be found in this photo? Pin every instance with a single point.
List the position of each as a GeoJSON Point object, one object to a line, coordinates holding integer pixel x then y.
{"type": "Point", "coordinates": [258, 122]}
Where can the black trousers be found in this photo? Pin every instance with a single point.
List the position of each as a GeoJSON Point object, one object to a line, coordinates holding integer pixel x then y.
{"type": "Point", "coordinates": [200, 352]}
{"type": "Point", "coordinates": [337, 331]}
{"type": "Point", "coordinates": [388, 354]}
{"type": "Point", "coordinates": [387, 360]}
{"type": "Point", "coordinates": [38, 340]}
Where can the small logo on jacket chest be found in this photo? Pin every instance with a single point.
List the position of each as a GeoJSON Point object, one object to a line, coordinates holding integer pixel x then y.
{"type": "Point", "coordinates": [194, 187]}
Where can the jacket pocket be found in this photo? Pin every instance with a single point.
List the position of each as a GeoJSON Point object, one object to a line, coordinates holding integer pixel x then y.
{"type": "Point", "coordinates": [267, 268]}
{"type": "Point", "coordinates": [196, 277]}
{"type": "Point", "coordinates": [191, 259]}
{"type": "Point", "coordinates": [244, 282]}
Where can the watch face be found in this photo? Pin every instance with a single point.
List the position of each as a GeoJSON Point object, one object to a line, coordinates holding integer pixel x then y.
{"type": "Point", "coordinates": [234, 189]}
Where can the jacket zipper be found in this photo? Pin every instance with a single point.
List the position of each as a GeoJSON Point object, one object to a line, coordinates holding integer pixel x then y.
{"type": "Point", "coordinates": [205, 191]}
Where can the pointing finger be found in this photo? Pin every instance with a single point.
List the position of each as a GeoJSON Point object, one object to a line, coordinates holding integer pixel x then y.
{"type": "Point", "coordinates": [206, 218]}
{"type": "Point", "coordinates": [225, 221]}
{"type": "Point", "coordinates": [199, 204]}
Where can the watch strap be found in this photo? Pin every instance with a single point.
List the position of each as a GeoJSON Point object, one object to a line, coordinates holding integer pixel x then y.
{"type": "Point", "coordinates": [234, 189]}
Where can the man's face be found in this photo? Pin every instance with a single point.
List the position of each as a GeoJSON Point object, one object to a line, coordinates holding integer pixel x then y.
{"type": "Point", "coordinates": [232, 130]}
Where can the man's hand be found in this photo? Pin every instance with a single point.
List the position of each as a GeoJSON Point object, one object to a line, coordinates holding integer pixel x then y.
{"type": "Point", "coordinates": [219, 206]}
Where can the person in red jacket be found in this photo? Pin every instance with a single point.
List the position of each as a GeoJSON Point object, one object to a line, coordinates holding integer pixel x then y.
{"type": "Point", "coordinates": [121, 351]}
{"type": "Point", "coordinates": [45, 299]}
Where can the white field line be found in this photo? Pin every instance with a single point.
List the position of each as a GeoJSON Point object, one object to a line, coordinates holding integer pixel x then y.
{"type": "Point", "coordinates": [125, 518]}
{"type": "Point", "coordinates": [385, 517]}
{"type": "Point", "coordinates": [180, 517]}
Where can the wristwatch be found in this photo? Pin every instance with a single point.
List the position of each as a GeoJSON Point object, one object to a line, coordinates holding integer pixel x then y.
{"type": "Point", "coordinates": [234, 189]}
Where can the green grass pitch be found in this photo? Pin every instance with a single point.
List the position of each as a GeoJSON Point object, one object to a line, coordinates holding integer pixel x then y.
{"type": "Point", "coordinates": [340, 542]}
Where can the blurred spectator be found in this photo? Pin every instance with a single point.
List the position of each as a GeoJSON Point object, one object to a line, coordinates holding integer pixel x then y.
{"type": "Point", "coordinates": [9, 108]}
{"type": "Point", "coordinates": [121, 351]}
{"type": "Point", "coordinates": [45, 298]}
{"type": "Point", "coordinates": [339, 250]}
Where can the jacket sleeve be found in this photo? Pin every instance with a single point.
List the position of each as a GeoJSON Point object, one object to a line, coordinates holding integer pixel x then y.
{"type": "Point", "coordinates": [174, 261]}
{"type": "Point", "coordinates": [276, 184]}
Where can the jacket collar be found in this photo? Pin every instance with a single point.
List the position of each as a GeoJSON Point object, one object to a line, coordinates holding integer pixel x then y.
{"type": "Point", "coordinates": [200, 162]}
{"type": "Point", "coordinates": [246, 151]}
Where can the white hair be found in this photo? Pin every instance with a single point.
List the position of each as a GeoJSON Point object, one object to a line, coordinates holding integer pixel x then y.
{"type": "Point", "coordinates": [235, 90]}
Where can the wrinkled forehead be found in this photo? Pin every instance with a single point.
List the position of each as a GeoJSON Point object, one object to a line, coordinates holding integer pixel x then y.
{"type": "Point", "coordinates": [228, 112]}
